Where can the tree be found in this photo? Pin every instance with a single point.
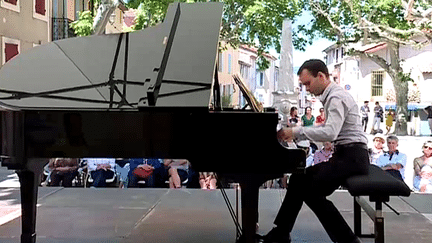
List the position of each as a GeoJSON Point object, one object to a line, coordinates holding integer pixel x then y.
{"type": "Point", "coordinates": [393, 22]}
{"type": "Point", "coordinates": [257, 23]}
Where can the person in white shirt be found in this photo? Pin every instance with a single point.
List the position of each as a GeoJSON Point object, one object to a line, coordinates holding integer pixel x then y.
{"type": "Point", "coordinates": [393, 161]}
{"type": "Point", "coordinates": [100, 170]}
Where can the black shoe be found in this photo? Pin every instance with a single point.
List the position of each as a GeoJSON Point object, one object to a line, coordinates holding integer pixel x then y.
{"type": "Point", "coordinates": [277, 235]}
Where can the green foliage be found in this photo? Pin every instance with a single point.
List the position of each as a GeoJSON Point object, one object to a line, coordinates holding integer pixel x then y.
{"type": "Point", "coordinates": [84, 25]}
{"type": "Point", "coordinates": [252, 22]}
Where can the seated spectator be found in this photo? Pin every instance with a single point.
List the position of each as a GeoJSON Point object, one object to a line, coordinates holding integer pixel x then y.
{"type": "Point", "coordinates": [293, 119]}
{"type": "Point", "coordinates": [378, 148]}
{"type": "Point", "coordinates": [156, 179]}
{"type": "Point", "coordinates": [101, 169]}
{"type": "Point", "coordinates": [122, 168]}
{"type": "Point", "coordinates": [177, 171]}
{"type": "Point", "coordinates": [423, 169]}
{"type": "Point", "coordinates": [324, 154]}
{"type": "Point", "coordinates": [62, 170]}
{"type": "Point", "coordinates": [393, 161]}
{"type": "Point", "coordinates": [308, 119]}
{"type": "Point", "coordinates": [207, 180]}
{"type": "Point", "coordinates": [320, 119]}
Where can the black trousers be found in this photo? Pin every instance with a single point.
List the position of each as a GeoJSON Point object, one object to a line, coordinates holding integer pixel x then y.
{"type": "Point", "coordinates": [316, 184]}
{"type": "Point", "coordinates": [365, 122]}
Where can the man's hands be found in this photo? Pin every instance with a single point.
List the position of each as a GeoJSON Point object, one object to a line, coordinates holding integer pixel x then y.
{"type": "Point", "coordinates": [285, 134]}
{"type": "Point", "coordinates": [146, 167]}
{"type": "Point", "coordinates": [103, 167]}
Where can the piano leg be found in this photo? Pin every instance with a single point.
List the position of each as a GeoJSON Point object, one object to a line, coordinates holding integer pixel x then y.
{"type": "Point", "coordinates": [29, 179]}
{"type": "Point", "coordinates": [29, 190]}
{"type": "Point", "coordinates": [249, 207]}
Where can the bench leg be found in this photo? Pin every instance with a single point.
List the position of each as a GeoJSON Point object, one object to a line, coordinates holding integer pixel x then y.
{"type": "Point", "coordinates": [379, 223]}
{"type": "Point", "coordinates": [357, 218]}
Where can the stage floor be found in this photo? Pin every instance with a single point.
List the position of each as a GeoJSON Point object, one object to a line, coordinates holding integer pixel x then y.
{"type": "Point", "coordinates": [111, 215]}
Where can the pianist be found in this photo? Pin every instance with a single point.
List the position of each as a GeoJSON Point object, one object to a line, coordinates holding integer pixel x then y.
{"type": "Point", "coordinates": [343, 127]}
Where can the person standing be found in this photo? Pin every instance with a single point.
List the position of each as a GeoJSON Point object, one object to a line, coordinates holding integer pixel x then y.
{"type": "Point", "coordinates": [343, 128]}
{"type": "Point", "coordinates": [429, 116]}
{"type": "Point", "coordinates": [364, 110]}
{"type": "Point", "coordinates": [378, 117]}
{"type": "Point", "coordinates": [389, 120]}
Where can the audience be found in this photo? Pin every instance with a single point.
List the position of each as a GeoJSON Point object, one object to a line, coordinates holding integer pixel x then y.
{"type": "Point", "coordinates": [393, 161]}
{"type": "Point", "coordinates": [177, 171]}
{"type": "Point", "coordinates": [62, 170]}
{"type": "Point", "coordinates": [100, 170]}
{"type": "Point", "coordinates": [324, 154]}
{"type": "Point", "coordinates": [207, 180]}
{"type": "Point", "coordinates": [308, 119]}
{"type": "Point", "coordinates": [156, 179]}
{"type": "Point", "coordinates": [378, 148]}
{"type": "Point", "coordinates": [423, 169]}
{"type": "Point", "coordinates": [320, 120]}
{"type": "Point", "coordinates": [293, 119]}
{"type": "Point", "coordinates": [389, 120]}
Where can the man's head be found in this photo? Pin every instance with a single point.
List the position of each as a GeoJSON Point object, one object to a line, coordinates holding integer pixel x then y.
{"type": "Point", "coordinates": [392, 143]}
{"type": "Point", "coordinates": [377, 103]}
{"type": "Point", "coordinates": [366, 102]}
{"type": "Point", "coordinates": [379, 141]}
{"type": "Point", "coordinates": [314, 75]}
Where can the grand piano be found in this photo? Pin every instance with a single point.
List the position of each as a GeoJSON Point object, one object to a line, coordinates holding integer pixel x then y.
{"type": "Point", "coordinates": [139, 94]}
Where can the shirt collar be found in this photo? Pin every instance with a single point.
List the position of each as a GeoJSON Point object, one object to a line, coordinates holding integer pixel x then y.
{"type": "Point", "coordinates": [326, 92]}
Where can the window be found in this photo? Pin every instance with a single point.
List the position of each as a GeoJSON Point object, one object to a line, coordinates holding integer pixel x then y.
{"type": "Point", "coordinates": [10, 48]}
{"type": "Point", "coordinates": [260, 78]}
{"type": "Point", "coordinates": [337, 55]}
{"type": "Point", "coordinates": [229, 63]}
{"type": "Point", "coordinates": [13, 5]}
{"type": "Point", "coordinates": [377, 83]}
{"type": "Point", "coordinates": [276, 77]}
{"type": "Point", "coordinates": [39, 10]}
{"type": "Point", "coordinates": [220, 62]}
{"type": "Point", "coordinates": [244, 71]}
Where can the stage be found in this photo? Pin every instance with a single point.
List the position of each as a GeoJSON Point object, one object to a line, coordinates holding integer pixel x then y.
{"type": "Point", "coordinates": [108, 215]}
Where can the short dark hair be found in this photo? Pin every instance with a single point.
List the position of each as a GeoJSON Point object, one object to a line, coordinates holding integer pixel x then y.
{"type": "Point", "coordinates": [366, 101]}
{"type": "Point", "coordinates": [314, 66]}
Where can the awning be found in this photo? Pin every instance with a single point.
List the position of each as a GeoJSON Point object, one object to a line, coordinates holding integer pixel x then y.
{"type": "Point", "coordinates": [411, 107]}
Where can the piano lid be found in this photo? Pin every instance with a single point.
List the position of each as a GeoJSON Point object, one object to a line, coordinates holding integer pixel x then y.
{"type": "Point", "coordinates": [169, 65]}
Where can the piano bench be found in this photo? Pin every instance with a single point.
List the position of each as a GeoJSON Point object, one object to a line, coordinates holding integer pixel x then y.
{"type": "Point", "coordinates": [379, 186]}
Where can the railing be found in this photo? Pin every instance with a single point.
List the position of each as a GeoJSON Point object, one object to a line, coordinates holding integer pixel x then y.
{"type": "Point", "coordinates": [61, 29]}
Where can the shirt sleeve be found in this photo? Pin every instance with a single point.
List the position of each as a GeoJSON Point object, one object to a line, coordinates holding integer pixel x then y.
{"type": "Point", "coordinates": [329, 132]}
{"type": "Point", "coordinates": [402, 160]}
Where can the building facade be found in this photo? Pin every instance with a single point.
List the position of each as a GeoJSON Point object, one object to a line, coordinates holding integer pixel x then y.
{"type": "Point", "coordinates": [262, 83]}
{"type": "Point", "coordinates": [365, 80]}
{"type": "Point", "coordinates": [26, 24]}
{"type": "Point", "coordinates": [23, 25]}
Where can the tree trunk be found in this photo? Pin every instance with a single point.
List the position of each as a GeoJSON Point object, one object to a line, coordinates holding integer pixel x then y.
{"type": "Point", "coordinates": [401, 90]}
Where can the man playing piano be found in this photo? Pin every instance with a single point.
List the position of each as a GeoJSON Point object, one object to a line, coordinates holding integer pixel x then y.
{"type": "Point", "coordinates": [343, 127]}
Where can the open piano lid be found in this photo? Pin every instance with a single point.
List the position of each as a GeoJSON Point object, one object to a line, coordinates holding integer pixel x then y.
{"type": "Point", "coordinates": [169, 65]}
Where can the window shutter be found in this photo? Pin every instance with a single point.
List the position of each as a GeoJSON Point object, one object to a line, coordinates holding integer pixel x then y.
{"type": "Point", "coordinates": [14, 2]}
{"type": "Point", "coordinates": [11, 50]}
{"type": "Point", "coordinates": [40, 7]}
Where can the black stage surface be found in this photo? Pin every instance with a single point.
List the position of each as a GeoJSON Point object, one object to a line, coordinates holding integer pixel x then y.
{"type": "Point", "coordinates": [84, 215]}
